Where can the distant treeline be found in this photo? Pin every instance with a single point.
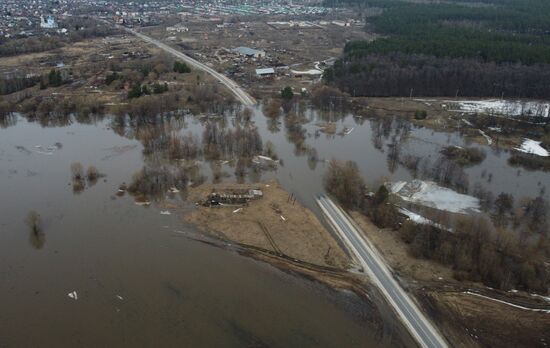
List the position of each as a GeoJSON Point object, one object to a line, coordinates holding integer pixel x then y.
{"type": "Point", "coordinates": [492, 41]}
{"type": "Point", "coordinates": [399, 74]}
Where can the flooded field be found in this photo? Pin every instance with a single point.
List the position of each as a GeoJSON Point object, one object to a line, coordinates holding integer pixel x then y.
{"type": "Point", "coordinates": [138, 277]}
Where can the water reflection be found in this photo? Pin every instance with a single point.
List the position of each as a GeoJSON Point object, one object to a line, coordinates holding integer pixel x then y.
{"type": "Point", "coordinates": [224, 143]}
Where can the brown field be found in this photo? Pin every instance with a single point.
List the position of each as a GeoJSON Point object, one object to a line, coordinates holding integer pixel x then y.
{"type": "Point", "coordinates": [299, 235]}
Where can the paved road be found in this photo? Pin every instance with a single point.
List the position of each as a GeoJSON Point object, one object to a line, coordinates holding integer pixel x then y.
{"type": "Point", "coordinates": [241, 95]}
{"type": "Point", "coordinates": [421, 329]}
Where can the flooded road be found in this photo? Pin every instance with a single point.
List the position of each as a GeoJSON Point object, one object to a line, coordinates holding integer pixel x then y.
{"type": "Point", "coordinates": [139, 280]}
{"type": "Point", "coordinates": [142, 282]}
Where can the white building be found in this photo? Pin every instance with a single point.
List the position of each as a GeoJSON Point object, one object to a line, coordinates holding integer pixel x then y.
{"type": "Point", "coordinates": [249, 52]}
{"type": "Point", "coordinates": [178, 28]}
{"type": "Point", "coordinates": [47, 22]}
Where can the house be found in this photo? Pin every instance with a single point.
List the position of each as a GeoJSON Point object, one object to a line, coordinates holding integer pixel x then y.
{"type": "Point", "coordinates": [178, 28]}
{"type": "Point", "coordinates": [312, 73]}
{"type": "Point", "coordinates": [47, 22]}
{"type": "Point", "coordinates": [265, 72]}
{"type": "Point", "coordinates": [249, 52]}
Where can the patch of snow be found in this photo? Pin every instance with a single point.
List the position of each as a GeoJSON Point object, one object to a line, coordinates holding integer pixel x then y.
{"type": "Point", "coordinates": [237, 210]}
{"type": "Point", "coordinates": [165, 212]}
{"type": "Point", "coordinates": [429, 194]}
{"type": "Point", "coordinates": [488, 138]}
{"type": "Point", "coordinates": [508, 303]}
{"type": "Point", "coordinates": [419, 219]}
{"type": "Point", "coordinates": [545, 298]}
{"type": "Point", "coordinates": [120, 297]}
{"type": "Point", "coordinates": [495, 129]}
{"type": "Point", "coordinates": [533, 147]}
{"type": "Point", "coordinates": [504, 107]}
{"type": "Point", "coordinates": [467, 122]}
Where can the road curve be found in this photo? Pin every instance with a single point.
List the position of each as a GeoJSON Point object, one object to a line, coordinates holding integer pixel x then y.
{"type": "Point", "coordinates": [422, 330]}
{"type": "Point", "coordinates": [241, 95]}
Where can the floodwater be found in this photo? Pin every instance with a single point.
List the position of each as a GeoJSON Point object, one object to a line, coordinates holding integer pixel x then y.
{"type": "Point", "coordinates": [142, 281]}
{"type": "Point", "coordinates": [139, 279]}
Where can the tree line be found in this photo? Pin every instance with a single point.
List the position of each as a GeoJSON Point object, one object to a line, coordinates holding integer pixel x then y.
{"type": "Point", "coordinates": [446, 49]}
{"type": "Point", "coordinates": [402, 74]}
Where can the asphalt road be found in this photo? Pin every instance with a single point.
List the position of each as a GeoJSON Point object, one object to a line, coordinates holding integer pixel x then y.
{"type": "Point", "coordinates": [419, 326]}
{"type": "Point", "coordinates": [239, 93]}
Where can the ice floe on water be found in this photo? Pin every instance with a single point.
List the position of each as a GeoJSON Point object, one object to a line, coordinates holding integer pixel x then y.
{"type": "Point", "coordinates": [429, 194]}
{"type": "Point", "coordinates": [73, 295]}
{"type": "Point", "coordinates": [533, 147]}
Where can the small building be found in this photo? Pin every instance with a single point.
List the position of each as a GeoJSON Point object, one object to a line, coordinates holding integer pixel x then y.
{"type": "Point", "coordinates": [47, 22]}
{"type": "Point", "coordinates": [312, 73]}
{"type": "Point", "coordinates": [265, 72]}
{"type": "Point", "coordinates": [249, 52]}
{"type": "Point", "coordinates": [178, 28]}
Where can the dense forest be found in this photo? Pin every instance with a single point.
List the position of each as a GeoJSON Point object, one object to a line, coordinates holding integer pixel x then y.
{"type": "Point", "coordinates": [441, 49]}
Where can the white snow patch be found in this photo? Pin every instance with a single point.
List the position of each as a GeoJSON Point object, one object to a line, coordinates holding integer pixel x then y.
{"type": "Point", "coordinates": [488, 138]}
{"type": "Point", "coordinates": [533, 147]}
{"type": "Point", "coordinates": [165, 212]}
{"type": "Point", "coordinates": [545, 298]}
{"type": "Point", "coordinates": [467, 122]}
{"type": "Point", "coordinates": [509, 304]}
{"type": "Point", "coordinates": [429, 194]}
{"type": "Point", "coordinates": [503, 107]}
{"type": "Point", "coordinates": [419, 219]}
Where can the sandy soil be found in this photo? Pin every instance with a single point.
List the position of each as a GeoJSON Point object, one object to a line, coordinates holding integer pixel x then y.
{"type": "Point", "coordinates": [293, 231]}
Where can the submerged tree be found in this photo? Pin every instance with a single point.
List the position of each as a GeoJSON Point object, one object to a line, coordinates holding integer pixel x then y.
{"type": "Point", "coordinates": [344, 181]}
{"type": "Point", "coordinates": [37, 237]}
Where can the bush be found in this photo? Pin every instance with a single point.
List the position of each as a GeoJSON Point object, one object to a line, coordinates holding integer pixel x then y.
{"type": "Point", "coordinates": [135, 92]}
{"type": "Point", "coordinates": [420, 114]}
{"type": "Point", "coordinates": [112, 77]}
{"type": "Point", "coordinates": [92, 173]}
{"type": "Point", "coordinates": [287, 93]}
{"type": "Point", "coordinates": [77, 171]}
{"type": "Point", "coordinates": [33, 221]}
{"type": "Point", "coordinates": [181, 67]}
{"type": "Point", "coordinates": [464, 156]}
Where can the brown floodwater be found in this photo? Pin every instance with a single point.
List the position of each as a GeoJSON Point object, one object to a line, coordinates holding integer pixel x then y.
{"type": "Point", "coordinates": [139, 278]}
{"type": "Point", "coordinates": [142, 281]}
